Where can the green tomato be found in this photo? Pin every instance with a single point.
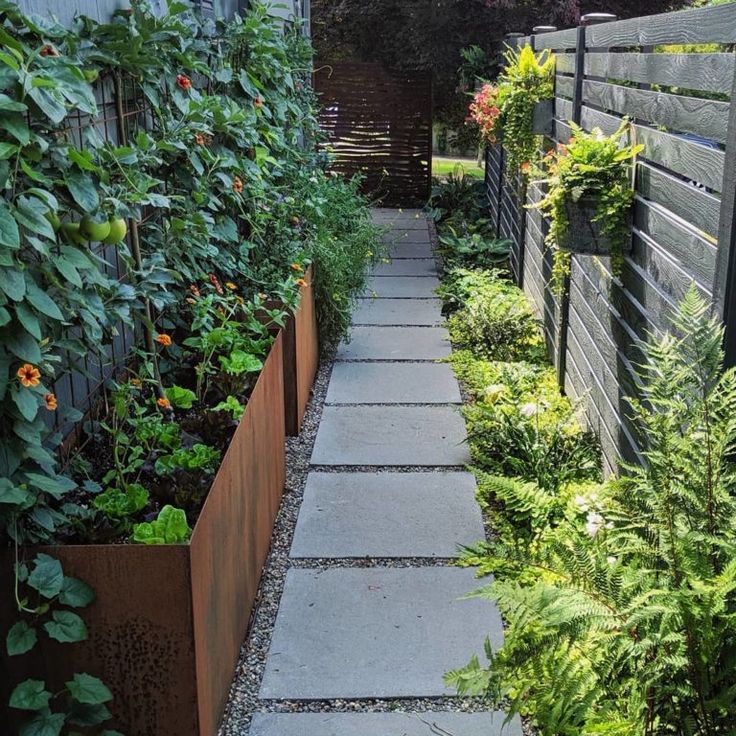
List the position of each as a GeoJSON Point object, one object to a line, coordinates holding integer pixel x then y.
{"type": "Point", "coordinates": [70, 230]}
{"type": "Point", "coordinates": [53, 218]}
{"type": "Point", "coordinates": [94, 231]}
{"type": "Point", "coordinates": [118, 231]}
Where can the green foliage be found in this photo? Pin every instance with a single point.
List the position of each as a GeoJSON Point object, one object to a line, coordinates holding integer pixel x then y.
{"type": "Point", "coordinates": [472, 251]}
{"type": "Point", "coordinates": [526, 80]}
{"type": "Point", "coordinates": [458, 197]}
{"type": "Point", "coordinates": [120, 503]}
{"type": "Point", "coordinates": [170, 527]}
{"type": "Point", "coordinates": [231, 405]}
{"type": "Point", "coordinates": [198, 457]}
{"type": "Point", "coordinates": [592, 167]}
{"type": "Point", "coordinates": [495, 319]}
{"type": "Point", "coordinates": [180, 398]}
{"type": "Point", "coordinates": [620, 619]}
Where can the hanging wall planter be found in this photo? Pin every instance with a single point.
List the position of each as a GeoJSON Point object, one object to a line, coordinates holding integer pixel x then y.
{"type": "Point", "coordinates": [585, 234]}
{"type": "Point", "coordinates": [167, 624]}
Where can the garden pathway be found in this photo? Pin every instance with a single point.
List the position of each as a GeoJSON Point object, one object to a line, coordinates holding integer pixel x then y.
{"type": "Point", "coordinates": [373, 610]}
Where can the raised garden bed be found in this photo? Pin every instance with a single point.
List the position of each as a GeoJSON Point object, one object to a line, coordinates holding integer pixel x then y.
{"type": "Point", "coordinates": [166, 628]}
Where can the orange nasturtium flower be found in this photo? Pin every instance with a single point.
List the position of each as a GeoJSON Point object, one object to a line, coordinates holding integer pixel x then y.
{"type": "Point", "coordinates": [136, 382]}
{"type": "Point", "coordinates": [237, 184]}
{"type": "Point", "coordinates": [199, 139]}
{"type": "Point", "coordinates": [297, 267]}
{"type": "Point", "coordinates": [164, 340]}
{"type": "Point", "coordinates": [183, 81]}
{"type": "Point", "coordinates": [301, 282]}
{"type": "Point", "coordinates": [230, 285]}
{"type": "Point", "coordinates": [525, 167]}
{"type": "Point", "coordinates": [164, 403]}
{"type": "Point", "coordinates": [29, 375]}
{"type": "Point", "coordinates": [51, 402]}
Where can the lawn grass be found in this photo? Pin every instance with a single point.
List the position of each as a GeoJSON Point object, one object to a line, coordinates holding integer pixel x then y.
{"type": "Point", "coordinates": [442, 166]}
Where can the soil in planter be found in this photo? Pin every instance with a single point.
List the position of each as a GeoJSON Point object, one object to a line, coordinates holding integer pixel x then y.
{"type": "Point", "coordinates": [186, 488]}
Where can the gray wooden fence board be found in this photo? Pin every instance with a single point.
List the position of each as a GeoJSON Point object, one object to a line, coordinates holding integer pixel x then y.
{"type": "Point", "coordinates": [706, 118]}
{"type": "Point", "coordinates": [702, 25]}
{"type": "Point", "coordinates": [565, 63]}
{"type": "Point", "coordinates": [706, 72]}
{"type": "Point", "coordinates": [557, 39]}
{"type": "Point", "coordinates": [694, 205]}
{"type": "Point", "coordinates": [564, 86]}
{"type": "Point", "coordinates": [695, 255]}
{"type": "Point", "coordinates": [691, 160]}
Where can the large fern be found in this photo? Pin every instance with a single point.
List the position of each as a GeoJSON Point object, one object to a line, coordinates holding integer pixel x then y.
{"type": "Point", "coordinates": [628, 624]}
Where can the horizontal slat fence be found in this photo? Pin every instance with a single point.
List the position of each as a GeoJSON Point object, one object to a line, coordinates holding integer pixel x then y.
{"type": "Point", "coordinates": [379, 125]}
{"type": "Point", "coordinates": [678, 100]}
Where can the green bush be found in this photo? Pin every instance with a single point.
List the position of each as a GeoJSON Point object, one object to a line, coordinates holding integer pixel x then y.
{"type": "Point", "coordinates": [495, 319]}
{"type": "Point", "coordinates": [623, 619]}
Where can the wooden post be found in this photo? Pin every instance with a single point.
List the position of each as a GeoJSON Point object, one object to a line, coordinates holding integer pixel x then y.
{"type": "Point", "coordinates": [724, 282]}
{"type": "Point", "coordinates": [590, 19]}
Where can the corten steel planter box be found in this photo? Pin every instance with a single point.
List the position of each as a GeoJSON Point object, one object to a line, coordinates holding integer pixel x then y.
{"type": "Point", "coordinates": [301, 355]}
{"type": "Point", "coordinates": [543, 118]}
{"type": "Point", "coordinates": [167, 625]}
{"type": "Point", "coordinates": [585, 235]}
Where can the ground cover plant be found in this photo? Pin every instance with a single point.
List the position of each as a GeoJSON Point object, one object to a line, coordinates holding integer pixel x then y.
{"type": "Point", "coordinates": [186, 222]}
{"type": "Point", "coordinates": [618, 596]}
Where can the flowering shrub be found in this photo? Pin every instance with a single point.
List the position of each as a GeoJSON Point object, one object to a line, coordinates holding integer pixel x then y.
{"type": "Point", "coordinates": [486, 113]}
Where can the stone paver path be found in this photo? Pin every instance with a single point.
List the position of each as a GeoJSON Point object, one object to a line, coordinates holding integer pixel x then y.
{"type": "Point", "coordinates": [387, 487]}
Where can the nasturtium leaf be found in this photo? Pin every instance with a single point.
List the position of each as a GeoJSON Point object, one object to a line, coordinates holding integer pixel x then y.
{"type": "Point", "coordinates": [30, 695]}
{"type": "Point", "coordinates": [42, 301]}
{"type": "Point", "coordinates": [76, 593]}
{"type": "Point", "coordinates": [82, 187]}
{"type": "Point", "coordinates": [89, 690]}
{"type": "Point", "coordinates": [43, 724]}
{"type": "Point", "coordinates": [47, 576]}
{"type": "Point", "coordinates": [9, 234]}
{"type": "Point", "coordinates": [20, 639]}
{"type": "Point", "coordinates": [66, 627]}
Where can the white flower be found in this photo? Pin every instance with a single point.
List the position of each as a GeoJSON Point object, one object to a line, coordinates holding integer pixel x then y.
{"type": "Point", "coordinates": [612, 560]}
{"type": "Point", "coordinates": [595, 522]}
{"type": "Point", "coordinates": [528, 410]}
{"type": "Point", "coordinates": [581, 502]}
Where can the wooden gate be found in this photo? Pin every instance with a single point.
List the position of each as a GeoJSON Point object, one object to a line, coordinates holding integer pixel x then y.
{"type": "Point", "coordinates": [379, 124]}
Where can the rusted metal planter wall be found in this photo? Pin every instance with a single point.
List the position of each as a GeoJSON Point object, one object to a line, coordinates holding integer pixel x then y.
{"type": "Point", "coordinates": [301, 357]}
{"type": "Point", "coordinates": [166, 628]}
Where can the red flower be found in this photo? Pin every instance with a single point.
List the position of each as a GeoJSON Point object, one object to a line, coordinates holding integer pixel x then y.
{"type": "Point", "coordinates": [49, 50]}
{"type": "Point", "coordinates": [214, 281]}
{"type": "Point", "coordinates": [199, 139]}
{"type": "Point", "coordinates": [237, 184]}
{"type": "Point", "coordinates": [183, 81]}
{"type": "Point", "coordinates": [194, 289]}
{"type": "Point", "coordinates": [258, 102]}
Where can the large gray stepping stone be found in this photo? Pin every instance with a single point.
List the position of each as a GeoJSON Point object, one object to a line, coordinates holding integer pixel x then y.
{"type": "Point", "coordinates": [391, 435]}
{"type": "Point", "coordinates": [421, 287]}
{"type": "Point", "coordinates": [393, 383]}
{"type": "Point", "coordinates": [407, 267]}
{"type": "Point", "coordinates": [395, 343]}
{"type": "Point", "coordinates": [418, 312]}
{"type": "Point", "coordinates": [384, 724]}
{"type": "Point", "coordinates": [410, 250]}
{"type": "Point", "coordinates": [375, 632]}
{"type": "Point", "coordinates": [387, 515]}
{"type": "Point", "coordinates": [405, 237]}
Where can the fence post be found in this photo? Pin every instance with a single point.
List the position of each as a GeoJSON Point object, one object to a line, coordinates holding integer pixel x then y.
{"type": "Point", "coordinates": [590, 19]}
{"type": "Point", "coordinates": [724, 282]}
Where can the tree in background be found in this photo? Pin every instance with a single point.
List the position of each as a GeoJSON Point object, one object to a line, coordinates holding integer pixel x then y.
{"type": "Point", "coordinates": [430, 34]}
